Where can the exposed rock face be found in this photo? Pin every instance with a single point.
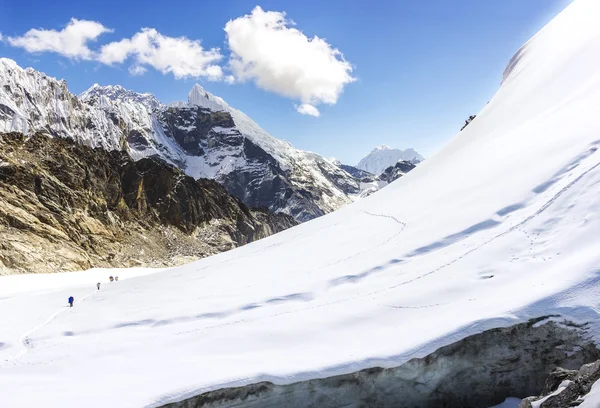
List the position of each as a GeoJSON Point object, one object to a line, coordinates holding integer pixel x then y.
{"type": "Point", "coordinates": [565, 388]}
{"type": "Point", "coordinates": [478, 371]}
{"type": "Point", "coordinates": [357, 173]}
{"type": "Point", "coordinates": [204, 137]}
{"type": "Point", "coordinates": [64, 206]}
{"type": "Point", "coordinates": [396, 171]}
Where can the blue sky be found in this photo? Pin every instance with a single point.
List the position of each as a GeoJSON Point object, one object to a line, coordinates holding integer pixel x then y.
{"type": "Point", "coordinates": [419, 67]}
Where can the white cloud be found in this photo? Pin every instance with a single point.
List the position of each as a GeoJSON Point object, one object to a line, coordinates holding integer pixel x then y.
{"type": "Point", "coordinates": [137, 70]}
{"type": "Point", "coordinates": [283, 60]}
{"type": "Point", "coordinates": [72, 41]}
{"type": "Point", "coordinates": [179, 56]}
{"type": "Point", "coordinates": [307, 109]}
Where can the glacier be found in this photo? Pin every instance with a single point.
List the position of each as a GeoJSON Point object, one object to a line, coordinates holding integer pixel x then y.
{"type": "Point", "coordinates": [500, 226]}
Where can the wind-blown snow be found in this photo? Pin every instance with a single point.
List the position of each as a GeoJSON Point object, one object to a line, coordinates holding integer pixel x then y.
{"type": "Point", "coordinates": [500, 226]}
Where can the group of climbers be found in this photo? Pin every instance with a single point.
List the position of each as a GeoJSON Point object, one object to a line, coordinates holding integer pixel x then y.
{"type": "Point", "coordinates": [71, 299]}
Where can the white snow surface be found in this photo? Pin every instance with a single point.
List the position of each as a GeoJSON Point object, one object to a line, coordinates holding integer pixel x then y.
{"type": "Point", "coordinates": [500, 226]}
{"type": "Point", "coordinates": [592, 399]}
{"type": "Point", "coordinates": [384, 156]}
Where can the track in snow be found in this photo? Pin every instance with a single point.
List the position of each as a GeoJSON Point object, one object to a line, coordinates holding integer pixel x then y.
{"type": "Point", "coordinates": [24, 339]}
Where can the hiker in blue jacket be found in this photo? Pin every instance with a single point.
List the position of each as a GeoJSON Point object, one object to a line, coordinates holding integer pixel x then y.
{"type": "Point", "coordinates": [71, 300]}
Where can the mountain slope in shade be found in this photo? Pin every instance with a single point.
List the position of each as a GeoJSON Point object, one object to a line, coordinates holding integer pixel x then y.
{"type": "Point", "coordinates": [204, 136]}
{"type": "Point", "coordinates": [501, 226]}
{"type": "Point", "coordinates": [384, 156]}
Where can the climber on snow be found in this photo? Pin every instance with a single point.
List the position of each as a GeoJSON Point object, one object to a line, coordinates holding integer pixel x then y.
{"type": "Point", "coordinates": [98, 285]}
{"type": "Point", "coordinates": [71, 300]}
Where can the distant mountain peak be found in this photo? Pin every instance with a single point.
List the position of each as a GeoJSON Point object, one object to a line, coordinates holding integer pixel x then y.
{"type": "Point", "coordinates": [384, 156]}
{"type": "Point", "coordinates": [382, 147]}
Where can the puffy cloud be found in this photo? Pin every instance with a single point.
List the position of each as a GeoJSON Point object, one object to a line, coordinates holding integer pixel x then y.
{"type": "Point", "coordinates": [179, 56]}
{"type": "Point", "coordinates": [72, 41]}
{"type": "Point", "coordinates": [137, 70]}
{"type": "Point", "coordinates": [279, 58]}
{"type": "Point", "coordinates": [308, 109]}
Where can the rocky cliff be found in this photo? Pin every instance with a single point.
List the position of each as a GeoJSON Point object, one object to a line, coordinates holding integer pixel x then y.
{"type": "Point", "coordinates": [66, 206]}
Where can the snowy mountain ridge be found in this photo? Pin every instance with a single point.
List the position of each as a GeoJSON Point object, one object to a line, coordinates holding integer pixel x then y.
{"type": "Point", "coordinates": [119, 94]}
{"type": "Point", "coordinates": [383, 156]}
{"type": "Point", "coordinates": [204, 136]}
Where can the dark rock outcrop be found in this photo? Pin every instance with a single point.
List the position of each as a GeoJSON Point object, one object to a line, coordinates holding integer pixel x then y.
{"type": "Point", "coordinates": [357, 173]}
{"type": "Point", "coordinates": [479, 371]}
{"type": "Point", "coordinates": [65, 206]}
{"type": "Point", "coordinates": [396, 171]}
{"type": "Point", "coordinates": [575, 385]}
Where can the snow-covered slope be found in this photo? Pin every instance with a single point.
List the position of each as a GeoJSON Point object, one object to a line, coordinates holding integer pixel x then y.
{"type": "Point", "coordinates": [502, 225]}
{"type": "Point", "coordinates": [204, 136]}
{"type": "Point", "coordinates": [384, 156]}
{"type": "Point", "coordinates": [31, 101]}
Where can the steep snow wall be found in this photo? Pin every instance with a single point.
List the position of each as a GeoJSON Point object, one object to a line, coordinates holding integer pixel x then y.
{"type": "Point", "coordinates": [478, 371]}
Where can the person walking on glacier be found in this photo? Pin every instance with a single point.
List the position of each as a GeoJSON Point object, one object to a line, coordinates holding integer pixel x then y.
{"type": "Point", "coordinates": [71, 300]}
{"type": "Point", "coordinates": [98, 285]}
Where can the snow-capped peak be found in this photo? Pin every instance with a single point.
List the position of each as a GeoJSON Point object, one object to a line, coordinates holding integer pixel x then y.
{"type": "Point", "coordinates": [381, 147]}
{"type": "Point", "coordinates": [198, 96]}
{"type": "Point", "coordinates": [384, 156]}
{"type": "Point", "coordinates": [119, 94]}
{"type": "Point", "coordinates": [8, 63]}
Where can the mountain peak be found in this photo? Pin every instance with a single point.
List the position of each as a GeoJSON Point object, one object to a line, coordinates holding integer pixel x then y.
{"type": "Point", "coordinates": [198, 88]}
{"type": "Point", "coordinates": [198, 96]}
{"type": "Point", "coordinates": [8, 63]}
{"type": "Point", "coordinates": [382, 147]}
{"type": "Point", "coordinates": [117, 93]}
{"type": "Point", "coordinates": [384, 156]}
